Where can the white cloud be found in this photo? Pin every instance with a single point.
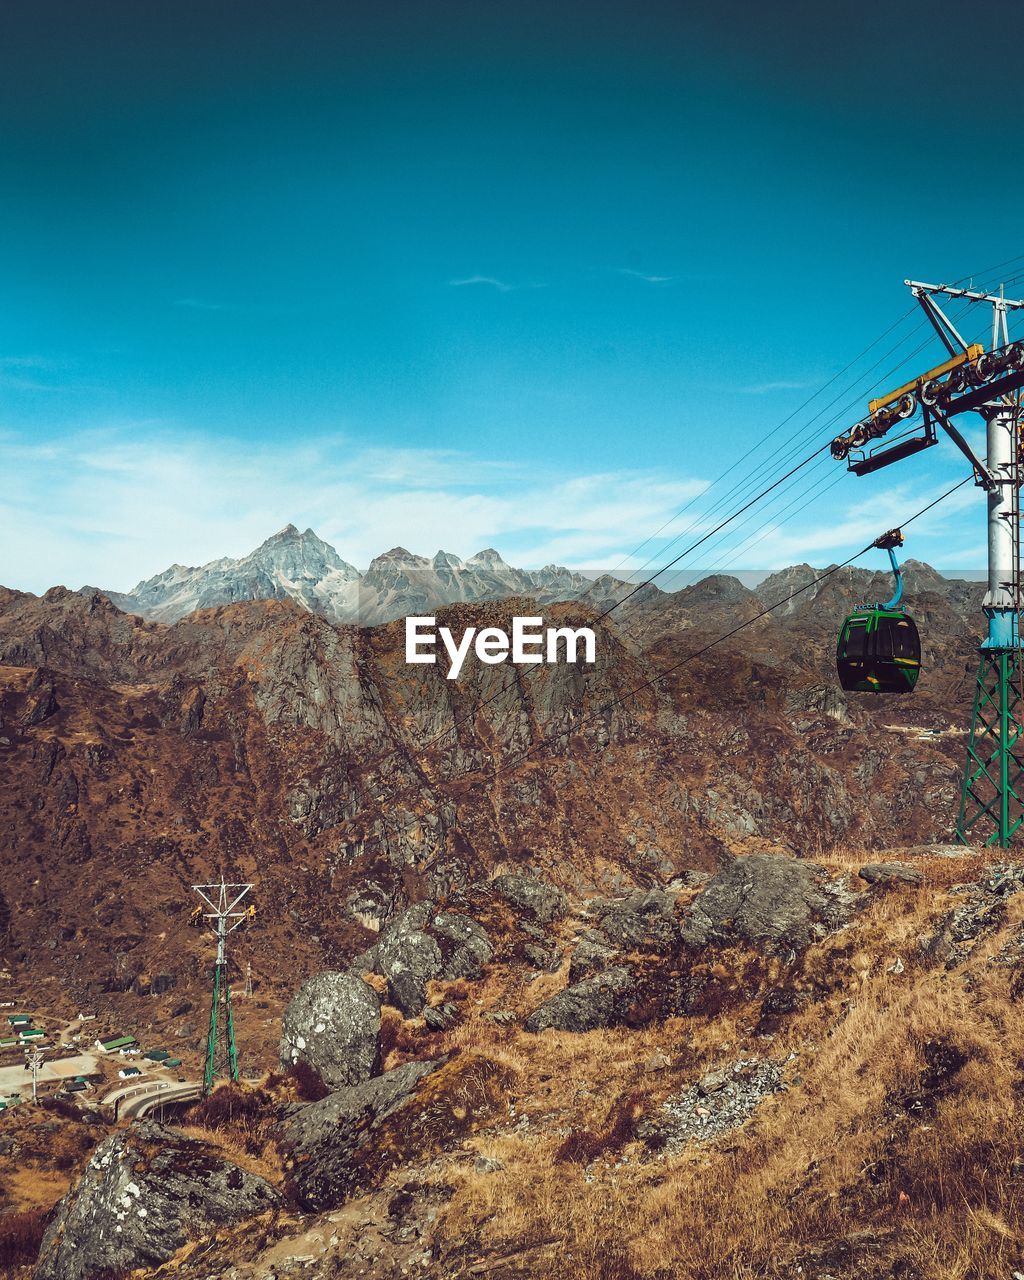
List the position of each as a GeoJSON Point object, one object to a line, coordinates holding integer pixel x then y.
{"type": "Point", "coordinates": [111, 507]}
{"type": "Point", "coordinates": [766, 388]}
{"type": "Point", "coordinates": [21, 373]}
{"type": "Point", "coordinates": [643, 275]}
{"type": "Point", "coordinates": [500, 285]}
{"type": "Point", "coordinates": [492, 282]}
{"type": "Point", "coordinates": [114, 506]}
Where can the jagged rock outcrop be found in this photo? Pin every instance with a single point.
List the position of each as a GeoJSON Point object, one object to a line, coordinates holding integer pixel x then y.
{"type": "Point", "coordinates": [602, 1000]}
{"type": "Point", "coordinates": [144, 1194]}
{"type": "Point", "coordinates": [465, 946]}
{"type": "Point", "coordinates": [981, 912]}
{"type": "Point", "coordinates": [644, 920]}
{"type": "Point", "coordinates": [530, 896]}
{"type": "Point", "coordinates": [349, 1140]}
{"type": "Point", "coordinates": [327, 1141]}
{"type": "Point", "coordinates": [890, 873]}
{"type": "Point", "coordinates": [409, 957]}
{"type": "Point", "coordinates": [767, 900]}
{"type": "Point", "coordinates": [589, 956]}
{"type": "Point", "coordinates": [331, 1026]}
{"type": "Point", "coordinates": [422, 945]}
{"type": "Point", "coordinates": [639, 962]}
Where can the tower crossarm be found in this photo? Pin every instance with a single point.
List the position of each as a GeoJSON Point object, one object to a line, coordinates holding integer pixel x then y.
{"type": "Point", "coordinates": [974, 380]}
{"type": "Point", "coordinates": [223, 901]}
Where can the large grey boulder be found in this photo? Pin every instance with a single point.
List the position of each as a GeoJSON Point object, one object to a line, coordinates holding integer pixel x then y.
{"type": "Point", "coordinates": [530, 897]}
{"type": "Point", "coordinates": [409, 958]}
{"type": "Point", "coordinates": [603, 1000]}
{"type": "Point", "coordinates": [332, 1025]}
{"type": "Point", "coordinates": [330, 1144]}
{"type": "Point", "coordinates": [767, 900]}
{"type": "Point", "coordinates": [146, 1192]}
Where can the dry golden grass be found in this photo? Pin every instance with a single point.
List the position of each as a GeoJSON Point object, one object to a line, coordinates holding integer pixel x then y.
{"type": "Point", "coordinates": [866, 1167]}
{"type": "Point", "coordinates": [837, 1167]}
{"type": "Point", "coordinates": [236, 1147]}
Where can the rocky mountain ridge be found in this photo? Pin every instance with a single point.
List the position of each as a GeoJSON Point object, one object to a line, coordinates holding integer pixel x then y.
{"type": "Point", "coordinates": [302, 567]}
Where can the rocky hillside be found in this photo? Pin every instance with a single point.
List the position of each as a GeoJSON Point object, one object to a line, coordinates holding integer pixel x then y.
{"type": "Point", "coordinates": [270, 743]}
{"type": "Point", "coordinates": [499, 887]}
{"type": "Point", "coordinates": [787, 1069]}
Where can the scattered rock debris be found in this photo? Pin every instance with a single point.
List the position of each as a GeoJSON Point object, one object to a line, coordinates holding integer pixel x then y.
{"type": "Point", "coordinates": [979, 915]}
{"type": "Point", "coordinates": [719, 1102]}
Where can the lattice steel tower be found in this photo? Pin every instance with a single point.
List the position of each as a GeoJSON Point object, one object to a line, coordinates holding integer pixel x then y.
{"type": "Point", "coordinates": [223, 901]}
{"type": "Point", "coordinates": [988, 383]}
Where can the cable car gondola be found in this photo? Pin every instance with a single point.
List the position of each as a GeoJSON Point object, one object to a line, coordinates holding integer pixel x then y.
{"type": "Point", "coordinates": [879, 649]}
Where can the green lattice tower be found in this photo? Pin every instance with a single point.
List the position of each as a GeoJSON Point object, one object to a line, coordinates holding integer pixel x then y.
{"type": "Point", "coordinates": [221, 1053]}
{"type": "Point", "coordinates": [992, 800]}
{"type": "Point", "coordinates": [225, 915]}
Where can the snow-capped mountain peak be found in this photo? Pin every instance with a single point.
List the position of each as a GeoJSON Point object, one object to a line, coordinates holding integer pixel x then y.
{"type": "Point", "coordinates": [291, 565]}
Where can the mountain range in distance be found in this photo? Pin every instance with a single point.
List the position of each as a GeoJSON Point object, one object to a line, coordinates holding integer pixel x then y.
{"type": "Point", "coordinates": [301, 566]}
{"type": "Point", "coordinates": [304, 568]}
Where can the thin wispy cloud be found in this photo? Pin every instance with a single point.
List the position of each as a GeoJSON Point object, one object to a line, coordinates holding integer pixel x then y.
{"type": "Point", "coordinates": [781, 384]}
{"type": "Point", "coordinates": [642, 275]}
{"type": "Point", "coordinates": [20, 382]}
{"type": "Point", "coordinates": [29, 373]}
{"type": "Point", "coordinates": [492, 282]}
{"type": "Point", "coordinates": [27, 362]}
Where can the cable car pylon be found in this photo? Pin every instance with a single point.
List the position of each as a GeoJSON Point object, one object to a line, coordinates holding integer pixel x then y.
{"type": "Point", "coordinates": [222, 902]}
{"type": "Point", "coordinates": [987, 383]}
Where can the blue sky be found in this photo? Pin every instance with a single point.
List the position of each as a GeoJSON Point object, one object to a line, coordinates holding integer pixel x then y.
{"type": "Point", "coordinates": [456, 275]}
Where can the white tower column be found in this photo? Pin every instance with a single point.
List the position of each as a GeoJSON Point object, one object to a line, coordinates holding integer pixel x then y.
{"type": "Point", "coordinates": [999, 602]}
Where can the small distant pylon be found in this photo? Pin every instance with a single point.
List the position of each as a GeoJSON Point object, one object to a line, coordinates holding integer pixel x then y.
{"type": "Point", "coordinates": [248, 977]}
{"type": "Point", "coordinates": [34, 1055]}
{"type": "Point", "coordinates": [223, 901]}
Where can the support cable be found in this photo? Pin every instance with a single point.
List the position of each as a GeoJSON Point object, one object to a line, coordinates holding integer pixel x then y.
{"type": "Point", "coordinates": [697, 653]}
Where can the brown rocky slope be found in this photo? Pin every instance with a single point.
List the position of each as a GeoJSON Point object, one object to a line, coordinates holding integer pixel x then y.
{"type": "Point", "coordinates": [266, 742]}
